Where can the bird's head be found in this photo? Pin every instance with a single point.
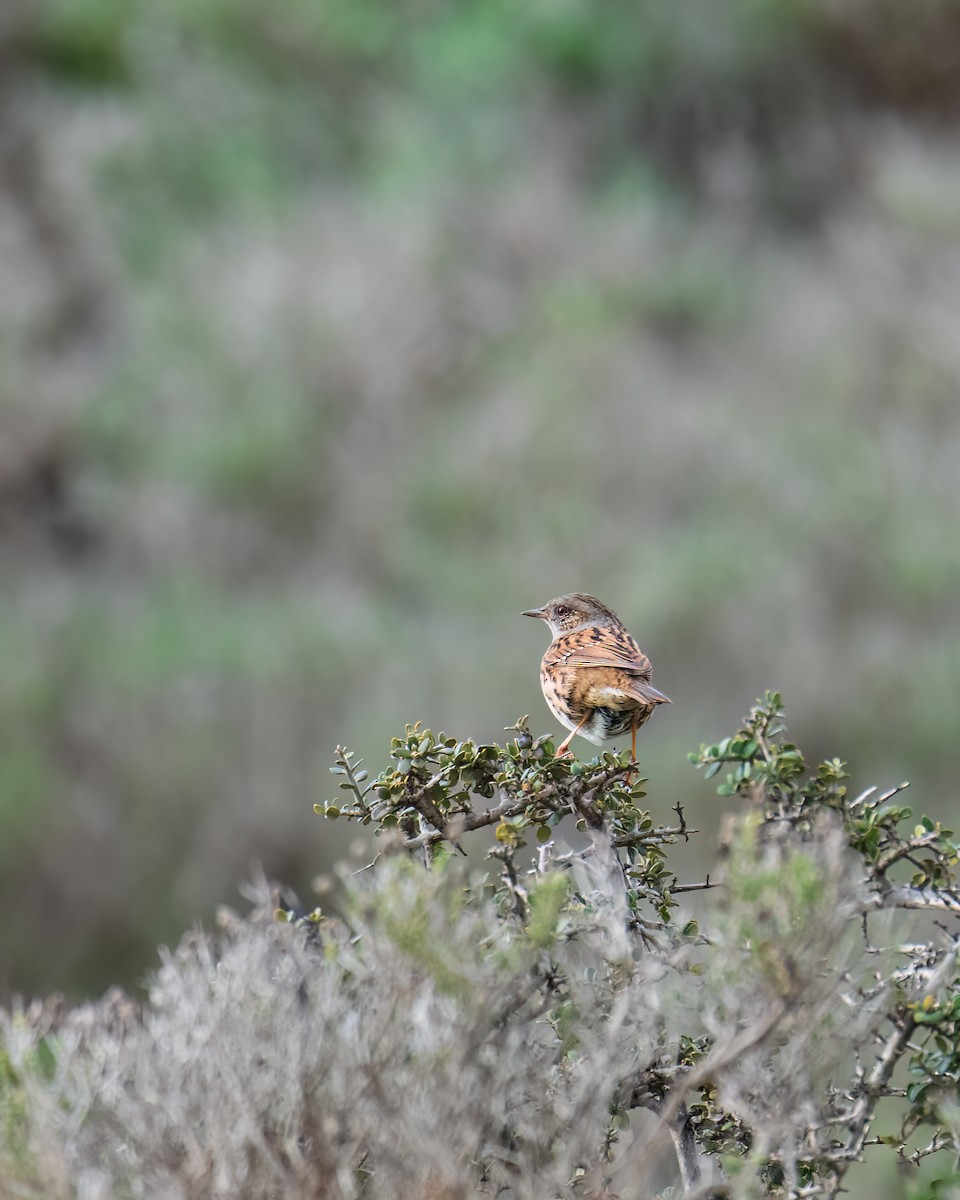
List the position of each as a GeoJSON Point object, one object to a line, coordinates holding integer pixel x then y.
{"type": "Point", "coordinates": [573, 611]}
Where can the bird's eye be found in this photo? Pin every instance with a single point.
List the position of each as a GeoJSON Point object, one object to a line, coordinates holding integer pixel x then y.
{"type": "Point", "coordinates": [561, 610]}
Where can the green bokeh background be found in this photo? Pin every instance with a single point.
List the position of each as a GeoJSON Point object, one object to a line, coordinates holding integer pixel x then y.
{"type": "Point", "coordinates": [335, 333]}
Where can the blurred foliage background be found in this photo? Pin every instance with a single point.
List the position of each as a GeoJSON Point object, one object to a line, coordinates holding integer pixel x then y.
{"type": "Point", "coordinates": [335, 333]}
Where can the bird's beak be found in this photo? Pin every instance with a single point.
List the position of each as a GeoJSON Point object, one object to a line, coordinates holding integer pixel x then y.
{"type": "Point", "coordinates": [535, 612]}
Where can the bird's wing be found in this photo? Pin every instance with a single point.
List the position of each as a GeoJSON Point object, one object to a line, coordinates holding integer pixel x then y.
{"type": "Point", "coordinates": [608, 648]}
{"type": "Point", "coordinates": [623, 692]}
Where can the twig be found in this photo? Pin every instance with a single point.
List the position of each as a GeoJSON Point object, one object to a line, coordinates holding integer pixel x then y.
{"type": "Point", "coordinates": [653, 835]}
{"type": "Point", "coordinates": [924, 899]}
{"type": "Point", "coordinates": [693, 887]}
{"type": "Point", "coordinates": [685, 1145]}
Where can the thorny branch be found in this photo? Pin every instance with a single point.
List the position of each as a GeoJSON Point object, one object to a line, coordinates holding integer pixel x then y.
{"type": "Point", "coordinates": [787, 811]}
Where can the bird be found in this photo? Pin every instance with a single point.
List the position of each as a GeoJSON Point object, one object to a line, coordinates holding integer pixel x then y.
{"type": "Point", "coordinates": [594, 676]}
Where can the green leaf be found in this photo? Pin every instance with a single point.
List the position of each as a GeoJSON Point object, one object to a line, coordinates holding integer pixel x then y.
{"type": "Point", "coordinates": [546, 902]}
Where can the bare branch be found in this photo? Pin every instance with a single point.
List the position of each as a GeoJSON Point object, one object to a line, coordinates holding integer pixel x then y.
{"type": "Point", "coordinates": [922, 899]}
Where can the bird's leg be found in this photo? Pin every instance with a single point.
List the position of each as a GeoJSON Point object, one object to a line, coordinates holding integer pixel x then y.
{"type": "Point", "coordinates": [633, 751]}
{"type": "Point", "coordinates": [564, 747]}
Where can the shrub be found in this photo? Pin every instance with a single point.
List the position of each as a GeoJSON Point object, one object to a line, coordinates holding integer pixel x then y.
{"type": "Point", "coordinates": [539, 1023]}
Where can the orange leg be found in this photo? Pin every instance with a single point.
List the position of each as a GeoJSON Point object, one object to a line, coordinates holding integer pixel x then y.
{"type": "Point", "coordinates": [564, 747]}
{"type": "Point", "coordinates": [633, 750]}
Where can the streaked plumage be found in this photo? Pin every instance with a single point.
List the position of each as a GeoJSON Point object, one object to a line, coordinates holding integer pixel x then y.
{"type": "Point", "coordinates": [595, 677]}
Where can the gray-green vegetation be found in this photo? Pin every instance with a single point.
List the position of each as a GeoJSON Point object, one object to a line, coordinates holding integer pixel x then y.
{"type": "Point", "coordinates": [542, 1023]}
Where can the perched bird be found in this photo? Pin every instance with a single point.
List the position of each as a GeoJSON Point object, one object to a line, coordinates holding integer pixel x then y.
{"type": "Point", "coordinates": [595, 678]}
